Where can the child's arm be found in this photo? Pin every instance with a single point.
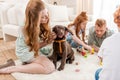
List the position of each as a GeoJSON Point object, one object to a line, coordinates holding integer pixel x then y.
{"type": "Point", "coordinates": [76, 39]}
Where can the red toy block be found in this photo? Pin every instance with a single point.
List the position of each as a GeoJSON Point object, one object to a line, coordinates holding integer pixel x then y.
{"type": "Point", "coordinates": [83, 53]}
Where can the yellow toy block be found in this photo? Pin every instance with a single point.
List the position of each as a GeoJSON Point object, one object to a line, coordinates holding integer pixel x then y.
{"type": "Point", "coordinates": [92, 51]}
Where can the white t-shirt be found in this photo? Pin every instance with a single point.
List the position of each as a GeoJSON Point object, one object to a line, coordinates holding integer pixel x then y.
{"type": "Point", "coordinates": [110, 52]}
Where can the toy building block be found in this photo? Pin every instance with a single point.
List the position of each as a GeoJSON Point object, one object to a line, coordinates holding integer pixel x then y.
{"type": "Point", "coordinates": [92, 51]}
{"type": "Point", "coordinates": [84, 54]}
{"type": "Point", "coordinates": [82, 51]}
{"type": "Point", "coordinates": [76, 63]}
{"type": "Point", "coordinates": [77, 70]}
{"type": "Point", "coordinates": [100, 63]}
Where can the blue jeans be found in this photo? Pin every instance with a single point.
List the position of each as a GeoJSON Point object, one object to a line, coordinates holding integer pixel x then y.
{"type": "Point", "coordinates": [97, 73]}
{"type": "Point", "coordinates": [72, 42]}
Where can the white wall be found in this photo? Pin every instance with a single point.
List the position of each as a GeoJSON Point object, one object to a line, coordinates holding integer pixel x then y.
{"type": "Point", "coordinates": [105, 9]}
{"type": "Point", "coordinates": [69, 3]}
{"type": "Point", "coordinates": [16, 1]}
{"type": "Point", "coordinates": [85, 5]}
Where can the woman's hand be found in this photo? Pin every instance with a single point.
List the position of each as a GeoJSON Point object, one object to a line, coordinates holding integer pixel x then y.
{"type": "Point", "coordinates": [52, 37]}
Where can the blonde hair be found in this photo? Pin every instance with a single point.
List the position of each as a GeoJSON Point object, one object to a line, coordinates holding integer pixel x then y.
{"type": "Point", "coordinates": [82, 17]}
{"type": "Point", "coordinates": [31, 29]}
{"type": "Point", "coordinates": [117, 15]}
{"type": "Point", "coordinates": [100, 22]}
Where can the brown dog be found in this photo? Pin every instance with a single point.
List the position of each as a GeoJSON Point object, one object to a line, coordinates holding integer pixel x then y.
{"type": "Point", "coordinates": [61, 48]}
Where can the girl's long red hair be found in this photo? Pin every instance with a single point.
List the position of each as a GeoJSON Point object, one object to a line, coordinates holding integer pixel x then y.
{"type": "Point", "coordinates": [31, 29]}
{"type": "Point", "coordinates": [45, 30]}
{"type": "Point", "coordinates": [78, 20]}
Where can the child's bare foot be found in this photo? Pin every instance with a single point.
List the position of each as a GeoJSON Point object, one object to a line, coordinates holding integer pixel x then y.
{"type": "Point", "coordinates": [7, 70]}
{"type": "Point", "coordinates": [10, 62]}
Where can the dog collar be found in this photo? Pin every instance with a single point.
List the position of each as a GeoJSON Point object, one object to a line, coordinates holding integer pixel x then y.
{"type": "Point", "coordinates": [60, 41]}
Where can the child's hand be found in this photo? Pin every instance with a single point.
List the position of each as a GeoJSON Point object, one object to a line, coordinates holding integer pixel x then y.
{"type": "Point", "coordinates": [52, 37]}
{"type": "Point", "coordinates": [96, 49]}
{"type": "Point", "coordinates": [91, 50]}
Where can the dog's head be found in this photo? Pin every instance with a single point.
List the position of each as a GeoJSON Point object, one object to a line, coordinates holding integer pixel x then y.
{"type": "Point", "coordinates": [59, 31]}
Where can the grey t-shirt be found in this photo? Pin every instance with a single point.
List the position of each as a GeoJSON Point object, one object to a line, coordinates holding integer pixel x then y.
{"type": "Point", "coordinates": [93, 39]}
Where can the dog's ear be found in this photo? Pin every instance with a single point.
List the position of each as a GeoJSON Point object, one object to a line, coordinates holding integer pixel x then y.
{"type": "Point", "coordinates": [54, 29]}
{"type": "Point", "coordinates": [68, 30]}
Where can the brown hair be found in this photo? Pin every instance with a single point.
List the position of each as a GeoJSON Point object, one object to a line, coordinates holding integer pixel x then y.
{"type": "Point", "coordinates": [100, 22]}
{"type": "Point", "coordinates": [31, 29]}
{"type": "Point", "coordinates": [45, 30]}
{"type": "Point", "coordinates": [78, 20]}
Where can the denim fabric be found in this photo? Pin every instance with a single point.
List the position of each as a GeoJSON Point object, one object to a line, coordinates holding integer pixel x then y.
{"type": "Point", "coordinates": [97, 74]}
{"type": "Point", "coordinates": [72, 42]}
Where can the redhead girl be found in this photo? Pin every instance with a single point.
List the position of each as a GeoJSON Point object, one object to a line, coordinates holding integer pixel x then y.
{"type": "Point", "coordinates": [78, 29]}
{"type": "Point", "coordinates": [35, 35]}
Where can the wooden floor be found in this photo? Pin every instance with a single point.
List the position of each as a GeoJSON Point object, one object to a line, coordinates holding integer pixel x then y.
{"type": "Point", "coordinates": [7, 51]}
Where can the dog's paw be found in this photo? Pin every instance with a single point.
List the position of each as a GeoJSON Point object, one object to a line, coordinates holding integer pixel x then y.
{"type": "Point", "coordinates": [70, 62]}
{"type": "Point", "coordinates": [60, 68]}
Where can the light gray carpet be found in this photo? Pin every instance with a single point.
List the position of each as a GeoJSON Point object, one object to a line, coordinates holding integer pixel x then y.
{"type": "Point", "coordinates": [85, 70]}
